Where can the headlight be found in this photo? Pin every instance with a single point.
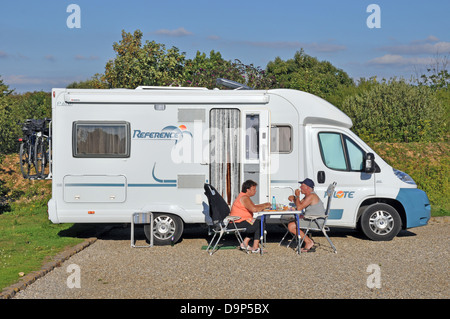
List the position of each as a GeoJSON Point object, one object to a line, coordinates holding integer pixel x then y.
{"type": "Point", "coordinates": [404, 177]}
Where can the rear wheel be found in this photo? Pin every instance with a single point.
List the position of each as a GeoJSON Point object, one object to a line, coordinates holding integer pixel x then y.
{"type": "Point", "coordinates": [167, 229]}
{"type": "Point", "coordinates": [380, 222]}
{"type": "Point", "coordinates": [39, 157]}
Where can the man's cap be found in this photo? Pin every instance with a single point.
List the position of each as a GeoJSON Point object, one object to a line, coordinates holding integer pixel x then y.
{"type": "Point", "coordinates": [308, 182]}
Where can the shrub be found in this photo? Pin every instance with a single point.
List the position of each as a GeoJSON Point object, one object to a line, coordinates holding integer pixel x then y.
{"type": "Point", "coordinates": [395, 111]}
{"type": "Point", "coordinates": [427, 163]}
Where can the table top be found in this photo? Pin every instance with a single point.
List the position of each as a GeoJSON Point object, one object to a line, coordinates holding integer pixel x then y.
{"type": "Point", "coordinates": [277, 212]}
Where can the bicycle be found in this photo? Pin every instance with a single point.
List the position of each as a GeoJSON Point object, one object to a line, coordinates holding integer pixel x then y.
{"type": "Point", "coordinates": [41, 150]}
{"type": "Point", "coordinates": [34, 148]}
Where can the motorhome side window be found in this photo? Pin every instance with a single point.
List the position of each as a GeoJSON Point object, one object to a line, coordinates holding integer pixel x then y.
{"type": "Point", "coordinates": [101, 139]}
{"type": "Point", "coordinates": [281, 139]}
{"type": "Point", "coordinates": [252, 137]}
{"type": "Point", "coordinates": [339, 152]}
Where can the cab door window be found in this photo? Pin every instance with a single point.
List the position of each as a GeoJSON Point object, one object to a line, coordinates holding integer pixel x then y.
{"type": "Point", "coordinates": [332, 151]}
{"type": "Point", "coordinates": [339, 152]}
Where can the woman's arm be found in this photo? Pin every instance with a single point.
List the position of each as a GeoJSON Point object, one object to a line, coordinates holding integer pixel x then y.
{"type": "Point", "coordinates": [251, 207]}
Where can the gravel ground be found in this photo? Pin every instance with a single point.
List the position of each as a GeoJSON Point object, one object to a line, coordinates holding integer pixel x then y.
{"type": "Point", "coordinates": [412, 265]}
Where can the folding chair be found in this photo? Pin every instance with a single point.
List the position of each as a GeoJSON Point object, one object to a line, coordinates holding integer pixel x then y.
{"type": "Point", "coordinates": [318, 223]}
{"type": "Point", "coordinates": [222, 222]}
{"type": "Point", "coordinates": [285, 223]}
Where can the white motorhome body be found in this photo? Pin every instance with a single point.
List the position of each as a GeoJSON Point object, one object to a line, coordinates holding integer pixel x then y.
{"type": "Point", "coordinates": [121, 151]}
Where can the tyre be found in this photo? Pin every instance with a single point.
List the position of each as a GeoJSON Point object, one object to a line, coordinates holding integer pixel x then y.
{"type": "Point", "coordinates": [380, 222]}
{"type": "Point", "coordinates": [24, 159]}
{"type": "Point", "coordinates": [167, 229]}
{"type": "Point", "coordinates": [39, 157]}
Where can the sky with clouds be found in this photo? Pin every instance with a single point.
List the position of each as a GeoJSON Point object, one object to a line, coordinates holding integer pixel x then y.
{"type": "Point", "coordinates": [51, 43]}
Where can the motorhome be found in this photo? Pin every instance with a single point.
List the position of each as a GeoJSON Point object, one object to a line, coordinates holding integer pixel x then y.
{"type": "Point", "coordinates": [151, 149]}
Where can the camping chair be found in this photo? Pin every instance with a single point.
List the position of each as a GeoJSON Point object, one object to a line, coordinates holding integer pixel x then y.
{"type": "Point", "coordinates": [318, 223]}
{"type": "Point", "coordinates": [223, 223]}
{"type": "Point", "coordinates": [285, 224]}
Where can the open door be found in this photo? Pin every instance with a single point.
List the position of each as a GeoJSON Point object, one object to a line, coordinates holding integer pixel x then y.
{"type": "Point", "coordinates": [256, 152]}
{"type": "Point", "coordinates": [225, 163]}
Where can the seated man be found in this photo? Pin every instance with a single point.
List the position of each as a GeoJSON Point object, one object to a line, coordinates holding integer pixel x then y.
{"type": "Point", "coordinates": [244, 207]}
{"type": "Point", "coordinates": [312, 205]}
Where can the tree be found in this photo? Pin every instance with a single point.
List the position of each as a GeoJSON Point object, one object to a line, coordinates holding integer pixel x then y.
{"type": "Point", "coordinates": [95, 82]}
{"type": "Point", "coordinates": [4, 89]}
{"type": "Point", "coordinates": [308, 74]}
{"type": "Point", "coordinates": [203, 71]}
{"type": "Point", "coordinates": [150, 64]}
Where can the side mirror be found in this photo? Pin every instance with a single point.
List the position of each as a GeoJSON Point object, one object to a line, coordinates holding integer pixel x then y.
{"type": "Point", "coordinates": [369, 163]}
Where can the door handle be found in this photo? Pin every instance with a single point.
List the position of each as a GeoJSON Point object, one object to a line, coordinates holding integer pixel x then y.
{"type": "Point", "coordinates": [321, 177]}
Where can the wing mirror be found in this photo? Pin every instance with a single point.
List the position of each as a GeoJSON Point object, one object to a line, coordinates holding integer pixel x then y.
{"type": "Point", "coordinates": [369, 163]}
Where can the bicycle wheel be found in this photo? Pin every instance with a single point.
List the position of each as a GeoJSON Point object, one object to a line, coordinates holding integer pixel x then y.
{"type": "Point", "coordinates": [25, 159]}
{"type": "Point", "coordinates": [39, 157]}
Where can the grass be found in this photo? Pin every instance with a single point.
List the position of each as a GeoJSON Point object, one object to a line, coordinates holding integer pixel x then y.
{"type": "Point", "coordinates": [27, 241]}
{"type": "Point", "coordinates": [27, 238]}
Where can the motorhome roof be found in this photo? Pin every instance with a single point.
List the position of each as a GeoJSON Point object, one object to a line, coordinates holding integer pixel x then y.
{"type": "Point", "coordinates": [311, 109]}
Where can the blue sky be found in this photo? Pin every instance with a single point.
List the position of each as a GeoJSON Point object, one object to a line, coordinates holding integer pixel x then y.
{"type": "Point", "coordinates": [38, 51]}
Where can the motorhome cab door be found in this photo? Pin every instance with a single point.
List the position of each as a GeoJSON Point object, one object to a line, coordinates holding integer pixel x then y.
{"type": "Point", "coordinates": [256, 152]}
{"type": "Point", "coordinates": [336, 156]}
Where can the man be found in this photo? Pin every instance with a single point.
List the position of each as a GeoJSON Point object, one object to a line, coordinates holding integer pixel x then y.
{"type": "Point", "coordinates": [312, 205]}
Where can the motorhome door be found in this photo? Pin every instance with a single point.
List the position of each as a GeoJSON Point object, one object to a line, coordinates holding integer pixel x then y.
{"type": "Point", "coordinates": [256, 152]}
{"type": "Point", "coordinates": [225, 152]}
{"type": "Point", "coordinates": [338, 157]}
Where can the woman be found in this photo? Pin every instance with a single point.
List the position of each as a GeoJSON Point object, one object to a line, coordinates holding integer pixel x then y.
{"type": "Point", "coordinates": [312, 205]}
{"type": "Point", "coordinates": [244, 207]}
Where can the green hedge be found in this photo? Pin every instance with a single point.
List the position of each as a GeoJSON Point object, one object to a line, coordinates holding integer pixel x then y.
{"type": "Point", "coordinates": [395, 111]}
{"type": "Point", "coordinates": [427, 163]}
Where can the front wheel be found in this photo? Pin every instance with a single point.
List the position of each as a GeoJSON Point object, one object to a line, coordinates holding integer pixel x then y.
{"type": "Point", "coordinates": [24, 155]}
{"type": "Point", "coordinates": [167, 229]}
{"type": "Point", "coordinates": [40, 157]}
{"type": "Point", "coordinates": [380, 222]}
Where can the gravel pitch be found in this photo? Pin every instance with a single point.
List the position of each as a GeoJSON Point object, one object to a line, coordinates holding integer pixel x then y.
{"type": "Point", "coordinates": [412, 265]}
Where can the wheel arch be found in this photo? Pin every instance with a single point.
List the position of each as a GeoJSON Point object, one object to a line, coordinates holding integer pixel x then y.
{"type": "Point", "coordinates": [380, 200]}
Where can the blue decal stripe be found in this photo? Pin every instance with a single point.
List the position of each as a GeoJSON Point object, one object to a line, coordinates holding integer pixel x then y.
{"type": "Point", "coordinates": [92, 185]}
{"type": "Point", "coordinates": [280, 181]}
{"type": "Point", "coordinates": [118, 185]}
{"type": "Point", "coordinates": [152, 185]}
{"type": "Point", "coordinates": [335, 213]}
{"type": "Point", "coordinates": [161, 180]}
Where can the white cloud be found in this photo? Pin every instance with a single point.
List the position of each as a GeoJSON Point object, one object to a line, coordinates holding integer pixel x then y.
{"type": "Point", "coordinates": [180, 32]}
{"type": "Point", "coordinates": [50, 58]}
{"type": "Point", "coordinates": [20, 79]}
{"type": "Point", "coordinates": [83, 58]}
{"type": "Point", "coordinates": [430, 45]}
{"type": "Point", "coordinates": [18, 56]}
{"type": "Point", "coordinates": [214, 37]}
{"type": "Point", "coordinates": [399, 60]}
{"type": "Point", "coordinates": [316, 47]}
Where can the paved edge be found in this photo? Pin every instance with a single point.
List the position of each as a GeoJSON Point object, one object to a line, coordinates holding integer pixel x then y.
{"type": "Point", "coordinates": [30, 278]}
